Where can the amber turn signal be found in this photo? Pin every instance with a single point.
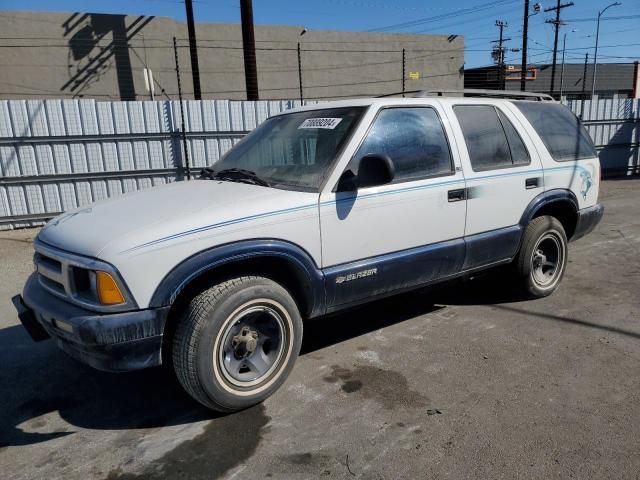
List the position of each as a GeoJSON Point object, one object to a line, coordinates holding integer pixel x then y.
{"type": "Point", "coordinates": [108, 291]}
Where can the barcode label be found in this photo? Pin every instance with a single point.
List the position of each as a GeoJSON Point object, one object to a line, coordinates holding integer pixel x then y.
{"type": "Point", "coordinates": [328, 123]}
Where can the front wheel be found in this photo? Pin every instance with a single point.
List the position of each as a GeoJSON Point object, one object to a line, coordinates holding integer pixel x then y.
{"type": "Point", "coordinates": [542, 259]}
{"type": "Point", "coordinates": [236, 343]}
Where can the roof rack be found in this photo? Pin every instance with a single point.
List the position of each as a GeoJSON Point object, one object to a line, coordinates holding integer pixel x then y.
{"type": "Point", "coordinates": [541, 97]}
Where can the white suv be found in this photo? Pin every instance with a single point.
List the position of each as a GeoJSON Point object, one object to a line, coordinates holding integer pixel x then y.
{"type": "Point", "coordinates": [318, 209]}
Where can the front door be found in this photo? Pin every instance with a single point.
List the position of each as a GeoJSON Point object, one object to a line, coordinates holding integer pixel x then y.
{"type": "Point", "coordinates": [408, 232]}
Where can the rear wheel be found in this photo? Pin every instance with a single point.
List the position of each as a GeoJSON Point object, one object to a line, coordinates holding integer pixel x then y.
{"type": "Point", "coordinates": [237, 342]}
{"type": "Point", "coordinates": [542, 259]}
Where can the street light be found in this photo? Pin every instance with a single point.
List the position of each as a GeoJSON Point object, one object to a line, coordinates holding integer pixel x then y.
{"type": "Point", "coordinates": [564, 47]}
{"type": "Point", "coordinates": [595, 57]}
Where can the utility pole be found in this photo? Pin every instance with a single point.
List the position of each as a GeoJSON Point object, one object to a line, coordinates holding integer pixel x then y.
{"type": "Point", "coordinates": [193, 51]}
{"type": "Point", "coordinates": [556, 23]}
{"type": "Point", "coordinates": [498, 52]}
{"type": "Point", "coordinates": [249, 50]}
{"type": "Point", "coordinates": [525, 39]}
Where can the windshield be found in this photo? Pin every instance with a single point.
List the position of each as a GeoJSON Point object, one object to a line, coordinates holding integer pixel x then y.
{"type": "Point", "coordinates": [294, 150]}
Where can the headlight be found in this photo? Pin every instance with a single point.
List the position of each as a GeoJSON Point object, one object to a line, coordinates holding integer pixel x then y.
{"type": "Point", "coordinates": [97, 286]}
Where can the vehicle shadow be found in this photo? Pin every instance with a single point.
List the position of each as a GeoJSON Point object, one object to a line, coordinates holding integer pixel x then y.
{"type": "Point", "coordinates": [39, 379]}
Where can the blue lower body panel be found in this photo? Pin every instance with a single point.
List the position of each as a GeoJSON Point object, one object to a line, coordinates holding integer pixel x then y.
{"type": "Point", "coordinates": [369, 278]}
{"type": "Point", "coordinates": [588, 219]}
{"type": "Point", "coordinates": [491, 247]}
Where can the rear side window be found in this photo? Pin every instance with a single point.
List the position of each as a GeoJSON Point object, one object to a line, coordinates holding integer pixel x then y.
{"type": "Point", "coordinates": [560, 130]}
{"type": "Point", "coordinates": [414, 139]}
{"type": "Point", "coordinates": [492, 140]}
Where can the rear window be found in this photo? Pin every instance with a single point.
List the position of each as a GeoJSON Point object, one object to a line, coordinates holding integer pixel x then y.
{"type": "Point", "coordinates": [560, 130]}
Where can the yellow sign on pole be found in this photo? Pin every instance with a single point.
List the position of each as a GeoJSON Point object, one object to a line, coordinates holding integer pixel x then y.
{"type": "Point", "coordinates": [414, 75]}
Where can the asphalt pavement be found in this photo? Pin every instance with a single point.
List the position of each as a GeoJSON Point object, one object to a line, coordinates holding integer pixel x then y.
{"type": "Point", "coordinates": [462, 381]}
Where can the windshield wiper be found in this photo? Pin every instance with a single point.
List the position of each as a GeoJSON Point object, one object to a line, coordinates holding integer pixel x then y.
{"type": "Point", "coordinates": [234, 175]}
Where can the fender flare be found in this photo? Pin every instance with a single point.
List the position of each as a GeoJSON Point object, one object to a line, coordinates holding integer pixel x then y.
{"type": "Point", "coordinates": [307, 272]}
{"type": "Point", "coordinates": [549, 197]}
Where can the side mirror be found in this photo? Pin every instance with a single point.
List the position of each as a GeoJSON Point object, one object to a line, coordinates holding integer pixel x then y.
{"type": "Point", "coordinates": [375, 169]}
{"type": "Point", "coordinates": [348, 182]}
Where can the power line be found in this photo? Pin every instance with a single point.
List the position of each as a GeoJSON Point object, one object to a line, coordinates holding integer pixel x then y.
{"type": "Point", "coordinates": [591, 19]}
{"type": "Point", "coordinates": [454, 13]}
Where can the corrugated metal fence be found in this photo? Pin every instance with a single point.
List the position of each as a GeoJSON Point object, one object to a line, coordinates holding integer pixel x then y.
{"type": "Point", "coordinates": [614, 126]}
{"type": "Point", "coordinates": [59, 154]}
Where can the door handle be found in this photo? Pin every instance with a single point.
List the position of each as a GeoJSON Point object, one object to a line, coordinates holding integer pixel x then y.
{"type": "Point", "coordinates": [457, 195]}
{"type": "Point", "coordinates": [533, 182]}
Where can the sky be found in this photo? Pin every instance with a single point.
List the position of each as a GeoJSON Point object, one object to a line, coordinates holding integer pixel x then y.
{"type": "Point", "coordinates": [475, 19]}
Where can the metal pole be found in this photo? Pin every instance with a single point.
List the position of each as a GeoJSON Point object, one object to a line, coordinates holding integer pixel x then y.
{"type": "Point", "coordinates": [584, 83]}
{"type": "Point", "coordinates": [636, 80]}
{"type": "Point", "coordinates": [300, 72]}
{"type": "Point", "coordinates": [501, 64]}
{"type": "Point", "coordinates": [555, 48]}
{"type": "Point", "coordinates": [525, 30]}
{"type": "Point", "coordinates": [595, 56]}
{"type": "Point", "coordinates": [595, 59]}
{"type": "Point", "coordinates": [193, 51]}
{"type": "Point", "coordinates": [249, 49]}
{"type": "Point", "coordinates": [404, 66]}
{"type": "Point", "coordinates": [184, 132]}
{"type": "Point", "coordinates": [564, 46]}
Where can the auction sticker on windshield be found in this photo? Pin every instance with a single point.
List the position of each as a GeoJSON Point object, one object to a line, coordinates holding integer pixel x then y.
{"type": "Point", "coordinates": [328, 123]}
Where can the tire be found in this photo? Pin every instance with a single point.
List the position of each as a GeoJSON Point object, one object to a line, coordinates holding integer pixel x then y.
{"type": "Point", "coordinates": [542, 259]}
{"type": "Point", "coordinates": [236, 343]}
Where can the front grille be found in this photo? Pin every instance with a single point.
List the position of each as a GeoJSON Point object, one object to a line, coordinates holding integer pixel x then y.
{"type": "Point", "coordinates": [52, 285]}
{"type": "Point", "coordinates": [52, 273]}
{"type": "Point", "coordinates": [49, 262]}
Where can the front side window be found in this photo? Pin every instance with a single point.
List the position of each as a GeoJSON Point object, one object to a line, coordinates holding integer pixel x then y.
{"type": "Point", "coordinates": [560, 130]}
{"type": "Point", "coordinates": [492, 140]}
{"type": "Point", "coordinates": [414, 139]}
{"type": "Point", "coordinates": [294, 150]}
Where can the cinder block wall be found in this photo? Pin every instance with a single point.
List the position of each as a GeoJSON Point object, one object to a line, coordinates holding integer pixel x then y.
{"type": "Point", "coordinates": [82, 55]}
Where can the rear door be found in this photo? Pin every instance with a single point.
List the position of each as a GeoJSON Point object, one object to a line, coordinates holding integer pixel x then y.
{"type": "Point", "coordinates": [503, 174]}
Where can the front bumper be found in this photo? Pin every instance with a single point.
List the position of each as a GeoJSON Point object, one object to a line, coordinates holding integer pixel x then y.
{"type": "Point", "coordinates": [112, 342]}
{"type": "Point", "coordinates": [588, 218]}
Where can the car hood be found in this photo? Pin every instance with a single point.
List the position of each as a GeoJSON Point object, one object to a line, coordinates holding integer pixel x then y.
{"type": "Point", "coordinates": [139, 217]}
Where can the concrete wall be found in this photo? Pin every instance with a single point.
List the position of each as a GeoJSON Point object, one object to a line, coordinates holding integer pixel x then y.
{"type": "Point", "coordinates": [80, 55]}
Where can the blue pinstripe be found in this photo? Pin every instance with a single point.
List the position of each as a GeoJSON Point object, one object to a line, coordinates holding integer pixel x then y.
{"type": "Point", "coordinates": [333, 202]}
